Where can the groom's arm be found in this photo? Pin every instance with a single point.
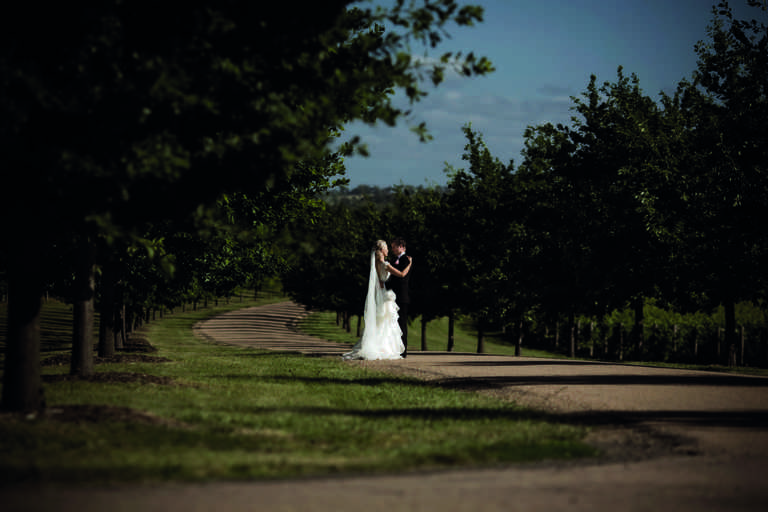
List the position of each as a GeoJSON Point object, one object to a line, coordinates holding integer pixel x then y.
{"type": "Point", "coordinates": [404, 262]}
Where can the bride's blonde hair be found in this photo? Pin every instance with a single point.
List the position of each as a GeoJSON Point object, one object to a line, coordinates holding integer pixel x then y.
{"type": "Point", "coordinates": [380, 246]}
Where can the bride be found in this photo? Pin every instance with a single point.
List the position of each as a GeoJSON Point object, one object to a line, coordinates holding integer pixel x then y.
{"type": "Point", "coordinates": [381, 337]}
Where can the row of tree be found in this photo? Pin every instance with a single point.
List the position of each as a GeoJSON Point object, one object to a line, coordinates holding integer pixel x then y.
{"type": "Point", "coordinates": [130, 130]}
{"type": "Point", "coordinates": [636, 199]}
{"type": "Point", "coordinates": [184, 142]}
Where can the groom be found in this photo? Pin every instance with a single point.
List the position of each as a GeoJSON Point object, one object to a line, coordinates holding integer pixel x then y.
{"type": "Point", "coordinates": [399, 285]}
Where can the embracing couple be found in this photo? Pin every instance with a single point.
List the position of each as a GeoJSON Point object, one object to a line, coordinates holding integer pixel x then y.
{"type": "Point", "coordinates": [385, 333]}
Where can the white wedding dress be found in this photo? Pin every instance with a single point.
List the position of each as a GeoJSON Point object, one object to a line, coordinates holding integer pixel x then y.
{"type": "Point", "coordinates": [382, 337]}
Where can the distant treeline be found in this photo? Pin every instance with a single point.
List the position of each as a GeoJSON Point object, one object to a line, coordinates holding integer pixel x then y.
{"type": "Point", "coordinates": [378, 195]}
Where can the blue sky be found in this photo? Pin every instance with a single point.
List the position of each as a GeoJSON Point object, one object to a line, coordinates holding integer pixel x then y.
{"type": "Point", "coordinates": [544, 51]}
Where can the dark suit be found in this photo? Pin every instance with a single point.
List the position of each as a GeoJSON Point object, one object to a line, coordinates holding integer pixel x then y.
{"type": "Point", "coordinates": [400, 285]}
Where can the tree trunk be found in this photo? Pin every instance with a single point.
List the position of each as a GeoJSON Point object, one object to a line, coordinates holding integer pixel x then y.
{"type": "Point", "coordinates": [481, 336]}
{"type": "Point", "coordinates": [730, 331]}
{"type": "Point", "coordinates": [119, 333]}
{"type": "Point", "coordinates": [423, 334]}
{"type": "Point", "coordinates": [22, 389]}
{"type": "Point", "coordinates": [620, 352]}
{"type": "Point", "coordinates": [604, 337]}
{"type": "Point", "coordinates": [741, 343]}
{"type": "Point", "coordinates": [451, 326]}
{"type": "Point", "coordinates": [359, 325]}
{"type": "Point", "coordinates": [520, 335]}
{"type": "Point", "coordinates": [675, 336]}
{"type": "Point", "coordinates": [638, 331]}
{"type": "Point", "coordinates": [82, 329]}
{"type": "Point", "coordinates": [572, 328]}
{"type": "Point", "coordinates": [107, 313]}
{"type": "Point", "coordinates": [696, 344]}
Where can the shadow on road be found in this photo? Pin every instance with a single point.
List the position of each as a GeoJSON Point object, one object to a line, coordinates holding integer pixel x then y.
{"type": "Point", "coordinates": [611, 379]}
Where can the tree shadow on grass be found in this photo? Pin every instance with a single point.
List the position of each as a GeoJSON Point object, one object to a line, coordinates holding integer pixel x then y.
{"type": "Point", "coordinates": [255, 352]}
{"type": "Point", "coordinates": [495, 382]}
{"type": "Point", "coordinates": [726, 418]}
{"type": "Point", "coordinates": [328, 381]}
{"type": "Point", "coordinates": [731, 419]}
{"type": "Point", "coordinates": [525, 362]}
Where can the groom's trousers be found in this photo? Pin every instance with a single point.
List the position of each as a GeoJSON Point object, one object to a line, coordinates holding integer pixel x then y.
{"type": "Point", "coordinates": [402, 320]}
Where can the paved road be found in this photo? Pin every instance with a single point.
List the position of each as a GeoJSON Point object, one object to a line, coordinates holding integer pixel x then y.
{"type": "Point", "coordinates": [679, 440]}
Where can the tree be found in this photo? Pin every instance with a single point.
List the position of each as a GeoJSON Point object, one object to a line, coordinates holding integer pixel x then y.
{"type": "Point", "coordinates": [417, 215]}
{"type": "Point", "coordinates": [482, 233]}
{"type": "Point", "coordinates": [659, 199]}
{"type": "Point", "coordinates": [628, 151]}
{"type": "Point", "coordinates": [608, 173]}
{"type": "Point", "coordinates": [329, 260]}
{"type": "Point", "coordinates": [724, 191]}
{"type": "Point", "coordinates": [143, 113]}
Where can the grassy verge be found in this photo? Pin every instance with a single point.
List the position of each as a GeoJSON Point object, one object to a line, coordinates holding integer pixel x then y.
{"type": "Point", "coordinates": [212, 412]}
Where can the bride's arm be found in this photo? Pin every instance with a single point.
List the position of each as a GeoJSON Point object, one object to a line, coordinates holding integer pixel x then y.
{"type": "Point", "coordinates": [395, 272]}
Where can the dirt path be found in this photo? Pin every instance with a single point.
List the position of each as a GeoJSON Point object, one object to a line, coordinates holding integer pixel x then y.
{"type": "Point", "coordinates": [675, 440]}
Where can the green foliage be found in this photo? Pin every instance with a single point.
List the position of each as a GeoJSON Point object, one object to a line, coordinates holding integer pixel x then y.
{"type": "Point", "coordinates": [597, 176]}
{"type": "Point", "coordinates": [418, 215]}
{"type": "Point", "coordinates": [725, 183]}
{"type": "Point", "coordinates": [479, 202]}
{"type": "Point", "coordinates": [156, 118]}
{"type": "Point", "coordinates": [330, 259]}
{"type": "Point", "coordinates": [675, 337]}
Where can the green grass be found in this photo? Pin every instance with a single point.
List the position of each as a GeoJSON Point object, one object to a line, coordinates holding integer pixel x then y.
{"type": "Point", "coordinates": [225, 412]}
